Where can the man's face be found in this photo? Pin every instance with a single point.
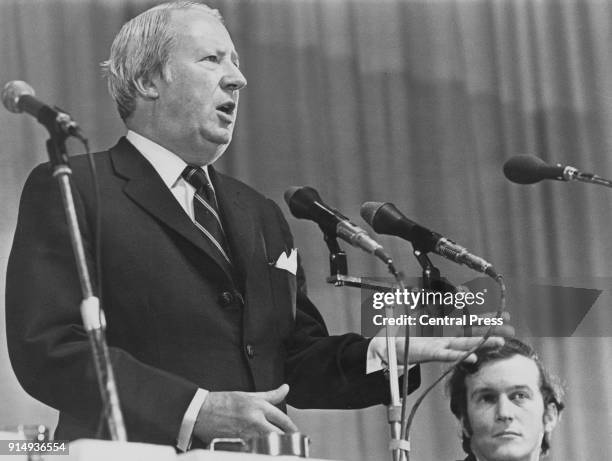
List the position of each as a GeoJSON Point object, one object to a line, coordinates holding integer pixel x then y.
{"type": "Point", "coordinates": [197, 105]}
{"type": "Point", "coordinates": [506, 411]}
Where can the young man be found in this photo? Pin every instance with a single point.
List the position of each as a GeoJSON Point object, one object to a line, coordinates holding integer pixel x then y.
{"type": "Point", "coordinates": [507, 404]}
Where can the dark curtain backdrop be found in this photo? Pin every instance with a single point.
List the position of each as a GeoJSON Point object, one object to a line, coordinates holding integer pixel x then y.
{"type": "Point", "coordinates": [415, 102]}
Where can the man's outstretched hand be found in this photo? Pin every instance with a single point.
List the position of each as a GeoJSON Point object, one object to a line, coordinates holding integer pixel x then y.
{"type": "Point", "coordinates": [424, 349]}
{"type": "Point", "coordinates": [242, 414]}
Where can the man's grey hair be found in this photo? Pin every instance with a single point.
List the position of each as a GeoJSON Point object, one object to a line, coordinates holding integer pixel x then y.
{"type": "Point", "coordinates": [142, 49]}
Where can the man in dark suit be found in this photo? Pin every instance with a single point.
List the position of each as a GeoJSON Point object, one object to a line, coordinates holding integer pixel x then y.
{"type": "Point", "coordinates": [507, 404]}
{"type": "Point", "coordinates": [205, 301]}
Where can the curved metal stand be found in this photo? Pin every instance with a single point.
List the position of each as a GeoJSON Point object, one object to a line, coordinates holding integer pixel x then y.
{"type": "Point", "coordinates": [93, 317]}
{"type": "Point", "coordinates": [339, 277]}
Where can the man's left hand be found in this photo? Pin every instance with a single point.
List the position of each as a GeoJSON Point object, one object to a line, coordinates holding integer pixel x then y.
{"type": "Point", "coordinates": [423, 349]}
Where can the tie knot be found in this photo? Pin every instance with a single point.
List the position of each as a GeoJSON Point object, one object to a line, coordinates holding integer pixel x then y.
{"type": "Point", "coordinates": [195, 176]}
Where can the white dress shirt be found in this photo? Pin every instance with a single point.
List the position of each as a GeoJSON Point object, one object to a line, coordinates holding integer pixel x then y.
{"type": "Point", "coordinates": [169, 167]}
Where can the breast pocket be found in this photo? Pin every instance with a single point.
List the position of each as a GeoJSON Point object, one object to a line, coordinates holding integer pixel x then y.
{"type": "Point", "coordinates": [283, 286]}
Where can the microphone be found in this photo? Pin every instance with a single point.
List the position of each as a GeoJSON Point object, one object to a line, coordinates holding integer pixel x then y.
{"type": "Point", "coordinates": [386, 219]}
{"type": "Point", "coordinates": [528, 169]}
{"type": "Point", "coordinates": [305, 203]}
{"type": "Point", "coordinates": [18, 96]}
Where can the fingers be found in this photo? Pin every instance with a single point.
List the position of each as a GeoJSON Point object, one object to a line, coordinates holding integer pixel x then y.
{"type": "Point", "coordinates": [231, 414]}
{"type": "Point", "coordinates": [275, 396]}
{"type": "Point", "coordinates": [447, 355]}
{"type": "Point", "coordinates": [472, 358]}
{"type": "Point", "coordinates": [265, 428]}
{"type": "Point", "coordinates": [459, 346]}
{"type": "Point", "coordinates": [506, 331]}
{"type": "Point", "coordinates": [268, 418]}
{"type": "Point", "coordinates": [446, 349]}
{"type": "Point", "coordinates": [280, 420]}
{"type": "Point", "coordinates": [465, 344]}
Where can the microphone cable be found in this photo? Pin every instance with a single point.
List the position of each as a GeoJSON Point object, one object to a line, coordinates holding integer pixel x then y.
{"type": "Point", "coordinates": [97, 248]}
{"type": "Point", "coordinates": [406, 425]}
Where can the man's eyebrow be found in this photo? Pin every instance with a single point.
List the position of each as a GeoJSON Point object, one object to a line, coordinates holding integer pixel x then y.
{"type": "Point", "coordinates": [486, 389]}
{"type": "Point", "coordinates": [521, 387]}
{"type": "Point", "coordinates": [483, 390]}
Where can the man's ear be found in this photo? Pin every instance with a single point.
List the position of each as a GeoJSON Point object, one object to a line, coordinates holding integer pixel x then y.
{"type": "Point", "coordinates": [146, 87]}
{"type": "Point", "coordinates": [466, 430]}
{"type": "Point", "coordinates": [551, 417]}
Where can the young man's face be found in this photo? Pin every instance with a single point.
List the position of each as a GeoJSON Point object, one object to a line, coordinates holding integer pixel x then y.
{"type": "Point", "coordinates": [506, 411]}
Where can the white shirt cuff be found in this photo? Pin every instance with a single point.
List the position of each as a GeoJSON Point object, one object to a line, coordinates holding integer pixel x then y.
{"type": "Point", "coordinates": [183, 441]}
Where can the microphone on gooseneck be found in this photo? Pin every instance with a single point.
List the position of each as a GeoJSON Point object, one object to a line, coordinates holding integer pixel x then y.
{"type": "Point", "coordinates": [305, 203]}
{"type": "Point", "coordinates": [386, 219]}
{"type": "Point", "coordinates": [18, 96]}
{"type": "Point", "coordinates": [528, 169]}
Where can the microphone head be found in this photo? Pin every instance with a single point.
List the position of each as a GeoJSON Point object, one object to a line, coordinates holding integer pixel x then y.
{"type": "Point", "coordinates": [305, 203]}
{"type": "Point", "coordinates": [384, 218]}
{"type": "Point", "coordinates": [528, 169]}
{"type": "Point", "coordinates": [14, 90]}
{"type": "Point", "coordinates": [300, 201]}
{"type": "Point", "coordinates": [368, 211]}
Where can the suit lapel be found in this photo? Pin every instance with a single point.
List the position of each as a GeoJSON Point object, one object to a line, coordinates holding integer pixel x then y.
{"type": "Point", "coordinates": [238, 221]}
{"type": "Point", "coordinates": [146, 188]}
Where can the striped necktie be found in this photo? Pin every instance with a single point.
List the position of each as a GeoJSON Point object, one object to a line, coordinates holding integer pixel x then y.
{"type": "Point", "coordinates": [206, 210]}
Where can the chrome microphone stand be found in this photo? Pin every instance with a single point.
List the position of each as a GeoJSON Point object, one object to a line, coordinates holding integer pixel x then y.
{"type": "Point", "coordinates": [339, 277]}
{"type": "Point", "coordinates": [91, 313]}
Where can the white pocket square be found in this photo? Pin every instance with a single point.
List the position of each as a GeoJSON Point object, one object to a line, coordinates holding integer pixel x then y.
{"type": "Point", "coordinates": [288, 263]}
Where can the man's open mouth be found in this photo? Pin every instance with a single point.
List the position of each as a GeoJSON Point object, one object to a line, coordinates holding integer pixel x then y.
{"type": "Point", "coordinates": [227, 107]}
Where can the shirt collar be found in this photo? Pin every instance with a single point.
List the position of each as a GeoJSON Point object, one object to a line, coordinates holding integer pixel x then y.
{"type": "Point", "coordinates": [168, 165]}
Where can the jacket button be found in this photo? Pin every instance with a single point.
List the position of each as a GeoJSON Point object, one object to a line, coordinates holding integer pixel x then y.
{"type": "Point", "coordinates": [226, 299]}
{"type": "Point", "coordinates": [250, 351]}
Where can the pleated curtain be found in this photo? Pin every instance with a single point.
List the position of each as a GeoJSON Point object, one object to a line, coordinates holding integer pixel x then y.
{"type": "Point", "coordinates": [414, 102]}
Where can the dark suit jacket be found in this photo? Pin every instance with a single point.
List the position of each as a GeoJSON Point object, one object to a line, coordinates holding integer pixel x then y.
{"type": "Point", "coordinates": [176, 320]}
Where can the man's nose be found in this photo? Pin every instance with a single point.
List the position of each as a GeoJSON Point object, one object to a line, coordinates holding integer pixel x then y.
{"type": "Point", "coordinates": [504, 408]}
{"type": "Point", "coordinates": [233, 79]}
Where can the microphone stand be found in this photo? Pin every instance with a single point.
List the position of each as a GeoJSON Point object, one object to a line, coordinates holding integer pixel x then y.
{"type": "Point", "coordinates": [431, 281]}
{"type": "Point", "coordinates": [338, 265]}
{"type": "Point", "coordinates": [338, 270]}
{"type": "Point", "coordinates": [429, 275]}
{"type": "Point", "coordinates": [93, 317]}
